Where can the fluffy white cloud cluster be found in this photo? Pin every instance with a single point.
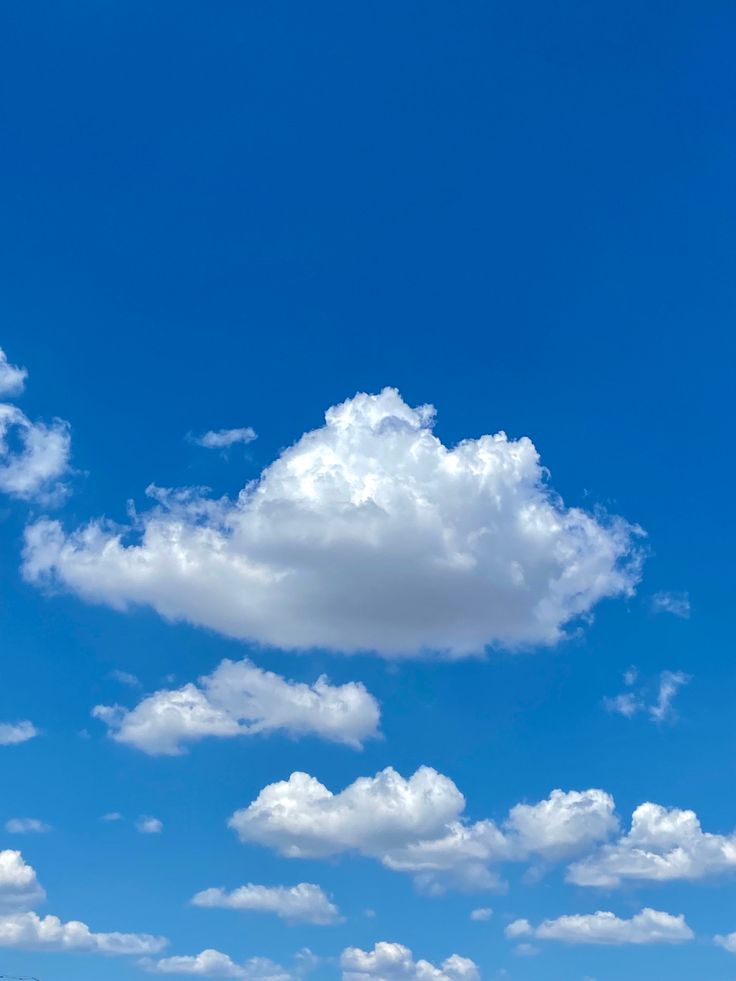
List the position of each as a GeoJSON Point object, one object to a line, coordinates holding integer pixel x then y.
{"type": "Point", "coordinates": [12, 733]}
{"type": "Point", "coordinates": [19, 885]}
{"type": "Point", "coordinates": [367, 534]}
{"type": "Point", "coordinates": [416, 825]}
{"type": "Point", "coordinates": [663, 844]}
{"type": "Point", "coordinates": [393, 962]}
{"type": "Point", "coordinates": [239, 699]}
{"type": "Point", "coordinates": [303, 903]}
{"type": "Point", "coordinates": [33, 455]}
{"type": "Point", "coordinates": [214, 964]}
{"type": "Point", "coordinates": [29, 931]}
{"type": "Point", "coordinates": [23, 929]}
{"type": "Point", "coordinates": [648, 927]}
{"type": "Point", "coordinates": [222, 439]}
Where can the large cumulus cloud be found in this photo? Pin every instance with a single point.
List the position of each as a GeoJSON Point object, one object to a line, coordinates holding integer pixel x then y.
{"type": "Point", "coordinates": [367, 534]}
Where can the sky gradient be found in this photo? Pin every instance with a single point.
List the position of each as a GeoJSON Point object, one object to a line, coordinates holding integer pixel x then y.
{"type": "Point", "coordinates": [366, 383]}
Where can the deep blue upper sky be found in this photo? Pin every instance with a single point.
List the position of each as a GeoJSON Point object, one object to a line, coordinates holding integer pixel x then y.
{"type": "Point", "coordinates": [240, 214]}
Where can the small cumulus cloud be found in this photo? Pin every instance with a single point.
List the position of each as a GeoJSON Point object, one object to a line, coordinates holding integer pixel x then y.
{"type": "Point", "coordinates": [13, 733]}
{"type": "Point", "coordinates": [482, 914]}
{"type": "Point", "coordinates": [240, 699]}
{"type": "Point", "coordinates": [149, 825]}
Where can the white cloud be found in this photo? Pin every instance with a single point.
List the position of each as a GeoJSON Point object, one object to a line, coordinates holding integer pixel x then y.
{"type": "Point", "coordinates": [12, 379]}
{"type": "Point", "coordinates": [125, 678]}
{"type": "Point", "coordinates": [662, 845]}
{"type": "Point", "coordinates": [25, 826]}
{"type": "Point", "coordinates": [519, 928]}
{"type": "Point", "coordinates": [660, 709]}
{"type": "Point", "coordinates": [417, 826]}
{"type": "Point", "coordinates": [367, 534]}
{"type": "Point", "coordinates": [29, 931]}
{"type": "Point", "coordinates": [526, 950]}
{"type": "Point", "coordinates": [392, 962]}
{"type": "Point", "coordinates": [214, 964]}
{"type": "Point", "coordinates": [221, 439]}
{"type": "Point", "coordinates": [678, 604]}
{"type": "Point", "coordinates": [562, 824]}
{"type": "Point", "coordinates": [648, 927]}
{"type": "Point", "coordinates": [239, 699]}
{"type": "Point", "coordinates": [112, 816]}
{"type": "Point", "coordinates": [19, 885]}
{"type": "Point", "coordinates": [728, 942]}
{"type": "Point", "coordinates": [303, 903]}
{"type": "Point", "coordinates": [149, 825]}
{"type": "Point", "coordinates": [41, 458]}
{"type": "Point", "coordinates": [669, 684]}
{"type": "Point", "coordinates": [627, 704]}
{"type": "Point", "coordinates": [12, 733]}
{"type": "Point", "coordinates": [481, 915]}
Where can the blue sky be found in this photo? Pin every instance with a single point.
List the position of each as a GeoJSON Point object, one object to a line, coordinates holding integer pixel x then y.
{"type": "Point", "coordinates": [219, 224]}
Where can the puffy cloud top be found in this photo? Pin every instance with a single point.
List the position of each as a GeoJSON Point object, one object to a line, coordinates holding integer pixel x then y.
{"type": "Point", "coordinates": [663, 844]}
{"type": "Point", "coordinates": [393, 962]}
{"type": "Point", "coordinates": [416, 825]}
{"type": "Point", "coordinates": [367, 534]}
{"type": "Point", "coordinates": [214, 964]}
{"type": "Point", "coordinates": [19, 885]}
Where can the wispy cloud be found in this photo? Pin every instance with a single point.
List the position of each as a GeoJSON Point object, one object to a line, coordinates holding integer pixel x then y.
{"type": "Point", "coordinates": [26, 826]}
{"type": "Point", "coordinates": [655, 700]}
{"type": "Point", "coordinates": [222, 439]}
{"type": "Point", "coordinates": [678, 604]}
{"type": "Point", "coordinates": [125, 678]}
